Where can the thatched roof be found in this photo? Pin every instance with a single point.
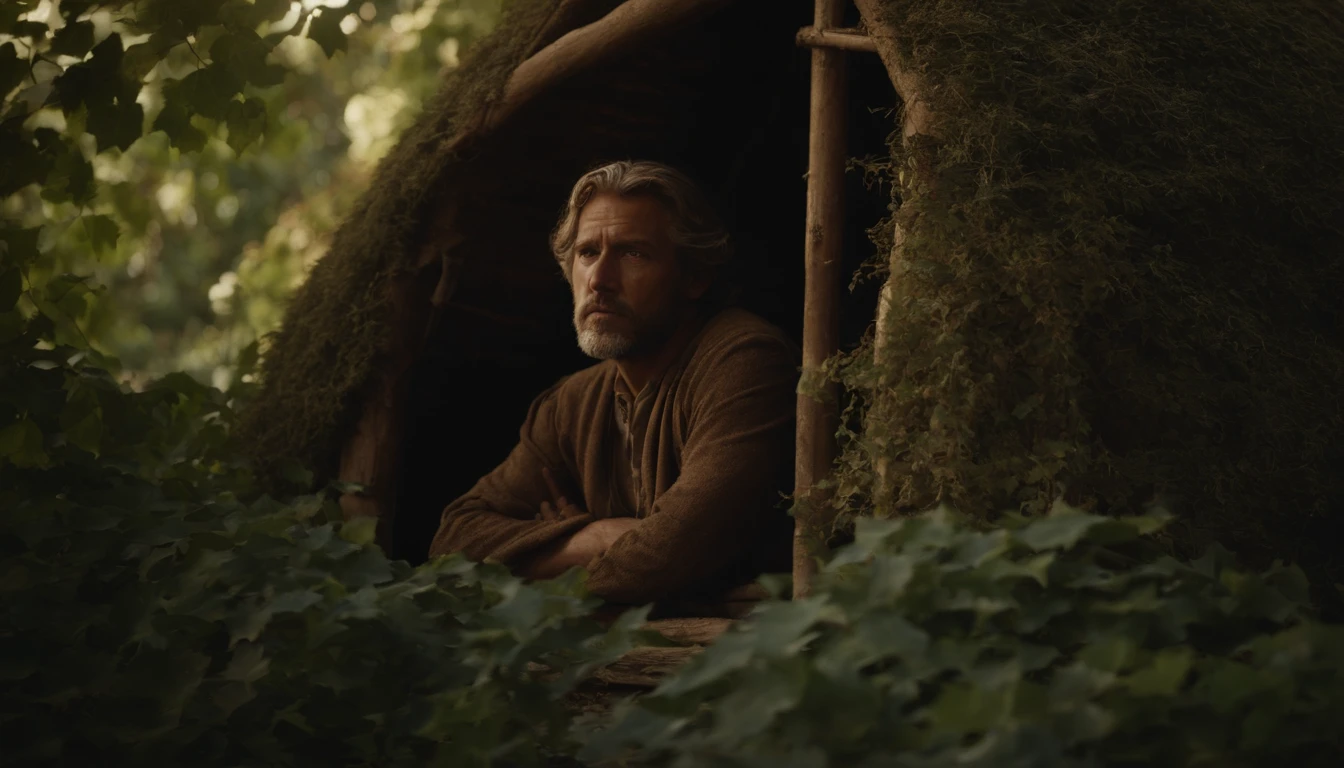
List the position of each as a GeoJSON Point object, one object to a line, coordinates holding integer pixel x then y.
{"type": "Point", "coordinates": [1114, 268]}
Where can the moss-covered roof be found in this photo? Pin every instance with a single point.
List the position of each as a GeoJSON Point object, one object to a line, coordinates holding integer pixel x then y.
{"type": "Point", "coordinates": [1120, 267]}
{"type": "Point", "coordinates": [1121, 247]}
{"type": "Point", "coordinates": [335, 333]}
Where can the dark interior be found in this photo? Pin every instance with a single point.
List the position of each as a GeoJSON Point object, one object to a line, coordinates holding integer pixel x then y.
{"type": "Point", "coordinates": [726, 101]}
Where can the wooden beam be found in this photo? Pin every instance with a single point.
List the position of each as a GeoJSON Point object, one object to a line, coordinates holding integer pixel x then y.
{"type": "Point", "coordinates": [817, 413]}
{"type": "Point", "coordinates": [631, 25]}
{"type": "Point", "coordinates": [843, 39]}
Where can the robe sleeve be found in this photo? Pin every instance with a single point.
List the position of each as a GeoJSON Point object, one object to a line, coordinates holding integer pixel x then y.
{"type": "Point", "coordinates": [737, 457]}
{"type": "Point", "coordinates": [496, 519]}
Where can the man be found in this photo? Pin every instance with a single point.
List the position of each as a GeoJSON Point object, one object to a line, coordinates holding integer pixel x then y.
{"type": "Point", "coordinates": [661, 469]}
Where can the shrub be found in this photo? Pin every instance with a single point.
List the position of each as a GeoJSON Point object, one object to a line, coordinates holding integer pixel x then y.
{"type": "Point", "coordinates": [1064, 640]}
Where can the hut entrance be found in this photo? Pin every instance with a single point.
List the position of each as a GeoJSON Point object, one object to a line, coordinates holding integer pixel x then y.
{"type": "Point", "coordinates": [726, 100]}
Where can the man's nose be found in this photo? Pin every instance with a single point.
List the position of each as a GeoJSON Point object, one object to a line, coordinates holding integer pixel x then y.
{"type": "Point", "coordinates": [605, 276]}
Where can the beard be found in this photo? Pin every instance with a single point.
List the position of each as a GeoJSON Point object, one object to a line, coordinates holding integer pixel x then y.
{"type": "Point", "coordinates": [641, 334]}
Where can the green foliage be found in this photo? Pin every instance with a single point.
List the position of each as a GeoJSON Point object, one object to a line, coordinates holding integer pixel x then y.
{"type": "Point", "coordinates": [167, 120]}
{"type": "Point", "coordinates": [1064, 640]}
{"type": "Point", "coordinates": [156, 610]}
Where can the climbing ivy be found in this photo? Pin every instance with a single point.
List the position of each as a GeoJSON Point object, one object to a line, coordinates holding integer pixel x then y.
{"type": "Point", "coordinates": [156, 609]}
{"type": "Point", "coordinates": [1067, 640]}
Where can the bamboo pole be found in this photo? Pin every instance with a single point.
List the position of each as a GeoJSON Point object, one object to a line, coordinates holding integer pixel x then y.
{"type": "Point", "coordinates": [817, 413]}
{"type": "Point", "coordinates": [844, 39]}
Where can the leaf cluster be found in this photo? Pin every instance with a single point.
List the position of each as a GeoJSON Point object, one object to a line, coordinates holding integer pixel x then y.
{"type": "Point", "coordinates": [156, 609]}
{"type": "Point", "coordinates": [1064, 640]}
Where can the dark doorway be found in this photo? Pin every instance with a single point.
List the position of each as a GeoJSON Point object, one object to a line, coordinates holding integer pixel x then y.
{"type": "Point", "coordinates": [726, 101]}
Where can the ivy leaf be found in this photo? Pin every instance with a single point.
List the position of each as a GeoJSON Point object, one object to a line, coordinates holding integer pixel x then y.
{"type": "Point", "coordinates": [102, 232]}
{"type": "Point", "coordinates": [365, 569]}
{"type": "Point", "coordinates": [247, 121]}
{"type": "Point", "coordinates": [1109, 654]}
{"type": "Point", "coordinates": [87, 433]}
{"type": "Point", "coordinates": [294, 602]}
{"type": "Point", "coordinates": [175, 121]}
{"type": "Point", "coordinates": [21, 443]}
{"type": "Point", "coordinates": [139, 59]}
{"type": "Point", "coordinates": [25, 163]}
{"type": "Point", "coordinates": [964, 708]}
{"type": "Point", "coordinates": [19, 246]}
{"type": "Point", "coordinates": [70, 179]}
{"type": "Point", "coordinates": [35, 30]}
{"type": "Point", "coordinates": [209, 91]}
{"type": "Point", "coordinates": [325, 30]}
{"type": "Point", "coordinates": [248, 14]}
{"type": "Point", "coordinates": [74, 39]}
{"type": "Point", "coordinates": [1164, 675]}
{"type": "Point", "coordinates": [249, 663]}
{"type": "Point", "coordinates": [12, 69]}
{"type": "Point", "coordinates": [10, 11]}
{"type": "Point", "coordinates": [11, 287]}
{"type": "Point", "coordinates": [244, 54]}
{"type": "Point", "coordinates": [360, 530]}
{"type": "Point", "coordinates": [69, 293]}
{"type": "Point", "coordinates": [1059, 531]}
{"type": "Point", "coordinates": [116, 124]}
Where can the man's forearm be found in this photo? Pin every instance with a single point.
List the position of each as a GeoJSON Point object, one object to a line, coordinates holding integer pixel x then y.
{"type": "Point", "coordinates": [554, 560]}
{"type": "Point", "coordinates": [481, 534]}
{"type": "Point", "coordinates": [577, 550]}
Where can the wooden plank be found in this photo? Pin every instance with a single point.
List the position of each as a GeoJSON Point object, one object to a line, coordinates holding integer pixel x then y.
{"type": "Point", "coordinates": [843, 39]}
{"type": "Point", "coordinates": [690, 631]}
{"type": "Point", "coordinates": [817, 415]}
{"type": "Point", "coordinates": [645, 667]}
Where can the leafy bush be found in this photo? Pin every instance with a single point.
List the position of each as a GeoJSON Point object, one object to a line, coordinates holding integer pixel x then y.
{"type": "Point", "coordinates": [155, 611]}
{"type": "Point", "coordinates": [1060, 641]}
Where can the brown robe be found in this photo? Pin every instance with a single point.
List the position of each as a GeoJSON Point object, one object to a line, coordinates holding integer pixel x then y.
{"type": "Point", "coordinates": [712, 442]}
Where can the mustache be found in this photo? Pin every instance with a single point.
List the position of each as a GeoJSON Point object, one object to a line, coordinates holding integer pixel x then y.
{"type": "Point", "coordinates": [599, 305]}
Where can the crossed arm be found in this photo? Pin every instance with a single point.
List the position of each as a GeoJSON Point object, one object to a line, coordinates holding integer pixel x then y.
{"type": "Point", "coordinates": [576, 550]}
{"type": "Point", "coordinates": [737, 456]}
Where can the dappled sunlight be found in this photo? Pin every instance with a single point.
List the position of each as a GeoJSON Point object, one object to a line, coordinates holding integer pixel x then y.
{"type": "Point", "coordinates": [220, 193]}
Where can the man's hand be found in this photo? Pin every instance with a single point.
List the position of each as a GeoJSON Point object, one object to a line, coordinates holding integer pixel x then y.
{"type": "Point", "coordinates": [599, 535]}
{"type": "Point", "coordinates": [578, 550]}
{"type": "Point", "coordinates": [559, 507]}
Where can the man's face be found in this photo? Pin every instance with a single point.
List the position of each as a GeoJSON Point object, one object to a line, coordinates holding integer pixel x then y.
{"type": "Point", "coordinates": [630, 290]}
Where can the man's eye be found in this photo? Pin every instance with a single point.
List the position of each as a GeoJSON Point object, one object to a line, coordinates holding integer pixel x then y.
{"type": "Point", "coordinates": [636, 254]}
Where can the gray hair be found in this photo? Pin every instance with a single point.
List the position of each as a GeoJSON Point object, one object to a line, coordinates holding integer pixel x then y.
{"type": "Point", "coordinates": [696, 230]}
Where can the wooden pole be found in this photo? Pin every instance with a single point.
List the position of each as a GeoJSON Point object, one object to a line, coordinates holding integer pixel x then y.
{"type": "Point", "coordinates": [817, 411]}
{"type": "Point", "coordinates": [845, 39]}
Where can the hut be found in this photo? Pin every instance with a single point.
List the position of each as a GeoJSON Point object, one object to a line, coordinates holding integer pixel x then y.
{"type": "Point", "coordinates": [1104, 242]}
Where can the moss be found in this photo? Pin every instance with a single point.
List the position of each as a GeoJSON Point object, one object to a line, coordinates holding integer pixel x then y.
{"type": "Point", "coordinates": [335, 331]}
{"type": "Point", "coordinates": [1121, 268]}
